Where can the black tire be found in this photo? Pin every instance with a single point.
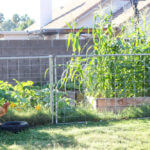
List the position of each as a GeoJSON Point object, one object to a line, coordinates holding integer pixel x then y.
{"type": "Point", "coordinates": [14, 126]}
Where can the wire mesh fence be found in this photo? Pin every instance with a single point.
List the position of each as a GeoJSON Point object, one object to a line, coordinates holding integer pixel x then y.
{"type": "Point", "coordinates": [25, 82]}
{"type": "Point", "coordinates": [108, 83]}
{"type": "Point", "coordinates": [71, 86]}
{"type": "Point", "coordinates": [24, 69]}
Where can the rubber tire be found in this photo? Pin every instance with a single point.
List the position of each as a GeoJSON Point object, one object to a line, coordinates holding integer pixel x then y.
{"type": "Point", "coordinates": [14, 126]}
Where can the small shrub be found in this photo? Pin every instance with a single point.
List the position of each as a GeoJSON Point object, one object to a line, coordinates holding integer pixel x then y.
{"type": "Point", "coordinates": [137, 111]}
{"type": "Point", "coordinates": [24, 94]}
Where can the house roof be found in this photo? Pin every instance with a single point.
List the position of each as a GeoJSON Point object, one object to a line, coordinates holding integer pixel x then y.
{"type": "Point", "coordinates": [126, 15]}
{"type": "Point", "coordinates": [13, 33]}
{"type": "Point", "coordinates": [76, 9]}
{"type": "Point", "coordinates": [71, 12]}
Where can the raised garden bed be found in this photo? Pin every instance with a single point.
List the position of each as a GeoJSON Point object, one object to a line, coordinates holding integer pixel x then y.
{"type": "Point", "coordinates": [117, 104]}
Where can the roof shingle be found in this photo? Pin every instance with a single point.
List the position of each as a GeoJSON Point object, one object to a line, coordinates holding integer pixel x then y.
{"type": "Point", "coordinates": [69, 13]}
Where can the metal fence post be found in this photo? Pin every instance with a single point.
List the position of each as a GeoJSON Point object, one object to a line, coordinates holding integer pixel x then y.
{"type": "Point", "coordinates": [51, 73]}
{"type": "Point", "coordinates": [56, 100]}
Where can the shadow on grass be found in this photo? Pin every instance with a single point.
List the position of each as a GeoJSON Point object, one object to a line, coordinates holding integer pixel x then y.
{"type": "Point", "coordinates": [45, 137]}
{"type": "Point", "coordinates": [34, 118]}
{"type": "Point", "coordinates": [41, 137]}
{"type": "Point", "coordinates": [43, 117]}
{"type": "Point", "coordinates": [3, 147]}
{"type": "Point", "coordinates": [36, 139]}
{"type": "Point", "coordinates": [102, 123]}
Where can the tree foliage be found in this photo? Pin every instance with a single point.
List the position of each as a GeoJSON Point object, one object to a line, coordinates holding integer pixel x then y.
{"type": "Point", "coordinates": [16, 18]}
{"type": "Point", "coordinates": [16, 23]}
{"type": "Point", "coordinates": [1, 18]}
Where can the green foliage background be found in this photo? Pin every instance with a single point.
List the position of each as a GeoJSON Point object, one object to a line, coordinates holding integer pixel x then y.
{"type": "Point", "coordinates": [106, 75]}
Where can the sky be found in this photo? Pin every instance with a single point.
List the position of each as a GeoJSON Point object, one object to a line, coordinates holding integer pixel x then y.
{"type": "Point", "coordinates": [10, 7]}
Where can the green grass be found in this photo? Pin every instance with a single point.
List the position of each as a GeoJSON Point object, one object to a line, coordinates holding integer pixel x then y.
{"type": "Point", "coordinates": [32, 116]}
{"type": "Point", "coordinates": [68, 114]}
{"type": "Point", "coordinates": [105, 135]}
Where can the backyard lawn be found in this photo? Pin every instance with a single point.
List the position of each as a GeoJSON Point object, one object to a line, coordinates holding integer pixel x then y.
{"type": "Point", "coordinates": [125, 134]}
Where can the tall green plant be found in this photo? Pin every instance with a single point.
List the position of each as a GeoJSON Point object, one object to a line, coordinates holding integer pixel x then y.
{"type": "Point", "coordinates": [111, 76]}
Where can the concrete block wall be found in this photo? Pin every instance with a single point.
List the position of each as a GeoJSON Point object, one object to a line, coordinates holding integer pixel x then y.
{"type": "Point", "coordinates": [29, 69]}
{"type": "Point", "coordinates": [31, 48]}
{"type": "Point", "coordinates": [10, 48]}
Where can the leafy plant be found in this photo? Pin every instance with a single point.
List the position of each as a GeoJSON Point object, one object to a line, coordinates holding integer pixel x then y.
{"type": "Point", "coordinates": [69, 86]}
{"type": "Point", "coordinates": [105, 74]}
{"type": "Point", "coordinates": [24, 94]}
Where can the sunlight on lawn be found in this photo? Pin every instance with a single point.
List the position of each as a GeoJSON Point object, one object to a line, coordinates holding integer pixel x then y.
{"type": "Point", "coordinates": [131, 134]}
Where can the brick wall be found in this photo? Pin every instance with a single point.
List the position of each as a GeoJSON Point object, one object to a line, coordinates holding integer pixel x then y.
{"type": "Point", "coordinates": [118, 104]}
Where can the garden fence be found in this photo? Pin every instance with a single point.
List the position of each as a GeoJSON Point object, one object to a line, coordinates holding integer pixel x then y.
{"type": "Point", "coordinates": [18, 70]}
{"type": "Point", "coordinates": [111, 82]}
